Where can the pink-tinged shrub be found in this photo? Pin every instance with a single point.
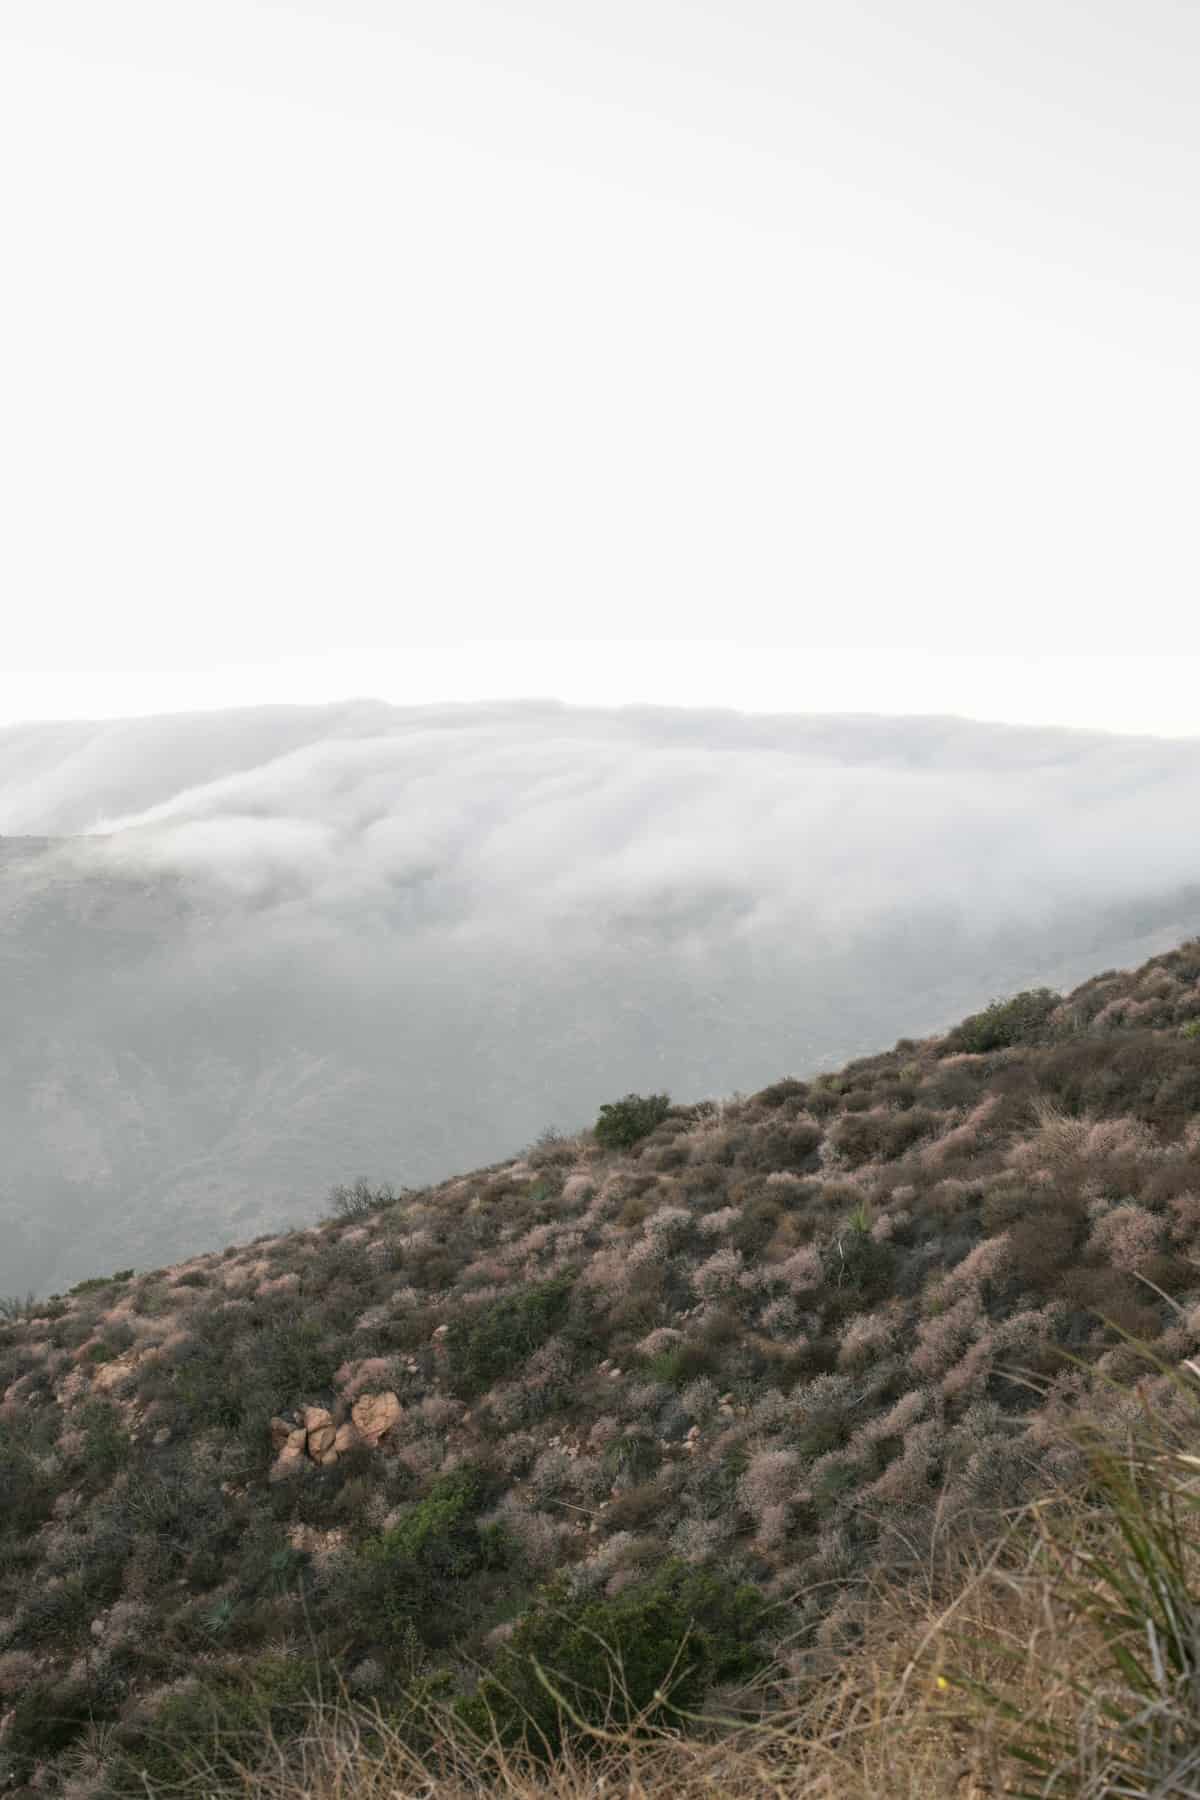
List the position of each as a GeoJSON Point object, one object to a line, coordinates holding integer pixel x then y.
{"type": "Point", "coordinates": [980, 1270]}
{"type": "Point", "coordinates": [715, 1224]}
{"type": "Point", "coordinates": [1184, 1213]}
{"type": "Point", "coordinates": [1007, 1346]}
{"type": "Point", "coordinates": [698, 1540]}
{"type": "Point", "coordinates": [907, 1480]}
{"type": "Point", "coordinates": [699, 1398]}
{"type": "Point", "coordinates": [802, 1271]}
{"type": "Point", "coordinates": [896, 1422]}
{"type": "Point", "coordinates": [537, 1535]}
{"type": "Point", "coordinates": [718, 1275]}
{"type": "Point", "coordinates": [942, 1339]}
{"type": "Point", "coordinates": [970, 1375]}
{"type": "Point", "coordinates": [1127, 1237]}
{"type": "Point", "coordinates": [658, 1340]}
{"type": "Point", "coordinates": [773, 1524]}
{"type": "Point", "coordinates": [771, 1476]}
{"type": "Point", "coordinates": [607, 1270]}
{"type": "Point", "coordinates": [865, 1337]}
{"type": "Point", "coordinates": [963, 1139]}
{"type": "Point", "coordinates": [488, 1268]}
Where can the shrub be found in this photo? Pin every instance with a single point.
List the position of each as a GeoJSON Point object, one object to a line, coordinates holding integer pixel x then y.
{"type": "Point", "coordinates": [656, 1648]}
{"type": "Point", "coordinates": [203, 1735]}
{"type": "Point", "coordinates": [360, 1198]}
{"type": "Point", "coordinates": [492, 1341]}
{"type": "Point", "coordinates": [412, 1571]}
{"type": "Point", "coordinates": [622, 1123]}
{"type": "Point", "coordinates": [862, 1137]}
{"type": "Point", "coordinates": [47, 1717]}
{"type": "Point", "coordinates": [857, 1266]}
{"type": "Point", "coordinates": [781, 1092]}
{"type": "Point", "coordinates": [1003, 1023]}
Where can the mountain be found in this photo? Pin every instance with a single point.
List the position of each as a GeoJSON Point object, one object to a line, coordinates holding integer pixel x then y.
{"type": "Point", "coordinates": [684, 1377]}
{"type": "Point", "coordinates": [245, 954]}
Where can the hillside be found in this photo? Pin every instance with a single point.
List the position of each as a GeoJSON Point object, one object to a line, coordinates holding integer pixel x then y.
{"type": "Point", "coordinates": [244, 955]}
{"type": "Point", "coordinates": [698, 1384]}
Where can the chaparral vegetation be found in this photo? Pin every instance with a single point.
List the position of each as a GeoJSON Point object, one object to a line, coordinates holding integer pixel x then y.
{"type": "Point", "coordinates": [655, 1444]}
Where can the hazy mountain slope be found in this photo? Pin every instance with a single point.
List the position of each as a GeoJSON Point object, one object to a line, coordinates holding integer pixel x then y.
{"type": "Point", "coordinates": [698, 1386]}
{"type": "Point", "coordinates": [302, 941]}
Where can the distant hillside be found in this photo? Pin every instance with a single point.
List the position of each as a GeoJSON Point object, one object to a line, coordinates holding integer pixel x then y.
{"type": "Point", "coordinates": [297, 943]}
{"type": "Point", "coordinates": [683, 1377]}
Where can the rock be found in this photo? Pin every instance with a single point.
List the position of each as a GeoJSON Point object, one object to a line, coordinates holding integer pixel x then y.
{"type": "Point", "coordinates": [375, 1414]}
{"type": "Point", "coordinates": [321, 1432]}
{"type": "Point", "coordinates": [346, 1439]}
{"type": "Point", "coordinates": [291, 1456]}
{"type": "Point", "coordinates": [281, 1431]}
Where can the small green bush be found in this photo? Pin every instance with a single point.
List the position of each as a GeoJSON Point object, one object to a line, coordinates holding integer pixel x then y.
{"type": "Point", "coordinates": [856, 1266]}
{"type": "Point", "coordinates": [413, 1571]}
{"type": "Point", "coordinates": [1004, 1022]}
{"type": "Point", "coordinates": [491, 1342]}
{"type": "Point", "coordinates": [200, 1737]}
{"type": "Point", "coordinates": [623, 1123]}
{"type": "Point", "coordinates": [658, 1646]}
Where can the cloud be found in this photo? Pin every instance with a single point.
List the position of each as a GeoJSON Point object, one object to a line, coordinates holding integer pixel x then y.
{"type": "Point", "coordinates": [516, 817]}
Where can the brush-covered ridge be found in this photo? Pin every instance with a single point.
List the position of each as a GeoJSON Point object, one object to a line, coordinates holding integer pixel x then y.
{"type": "Point", "coordinates": [680, 1392]}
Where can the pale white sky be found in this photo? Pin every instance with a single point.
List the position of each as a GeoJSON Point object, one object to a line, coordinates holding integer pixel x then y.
{"type": "Point", "coordinates": [776, 354]}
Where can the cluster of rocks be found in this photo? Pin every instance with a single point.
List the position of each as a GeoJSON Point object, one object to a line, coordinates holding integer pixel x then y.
{"type": "Point", "coordinates": [312, 1436]}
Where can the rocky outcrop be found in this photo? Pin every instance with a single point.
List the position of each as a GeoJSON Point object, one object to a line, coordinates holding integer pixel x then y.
{"type": "Point", "coordinates": [374, 1415]}
{"type": "Point", "coordinates": [313, 1437]}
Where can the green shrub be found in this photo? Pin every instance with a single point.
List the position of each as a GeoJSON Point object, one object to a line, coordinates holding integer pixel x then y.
{"type": "Point", "coordinates": [681, 1363]}
{"type": "Point", "coordinates": [1191, 1030]}
{"type": "Point", "coordinates": [1004, 1022]}
{"type": "Point", "coordinates": [412, 1573]}
{"type": "Point", "coordinates": [26, 1490]}
{"type": "Point", "coordinates": [858, 1267]}
{"type": "Point", "coordinates": [48, 1717]}
{"type": "Point", "coordinates": [623, 1123]}
{"type": "Point", "coordinates": [490, 1342]}
{"type": "Point", "coordinates": [657, 1647]}
{"type": "Point", "coordinates": [198, 1738]}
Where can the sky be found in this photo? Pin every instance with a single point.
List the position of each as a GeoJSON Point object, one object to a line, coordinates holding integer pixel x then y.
{"type": "Point", "coordinates": [781, 356]}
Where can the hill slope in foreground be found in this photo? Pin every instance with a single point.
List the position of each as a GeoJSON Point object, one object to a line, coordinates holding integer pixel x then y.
{"type": "Point", "coordinates": [689, 1388]}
